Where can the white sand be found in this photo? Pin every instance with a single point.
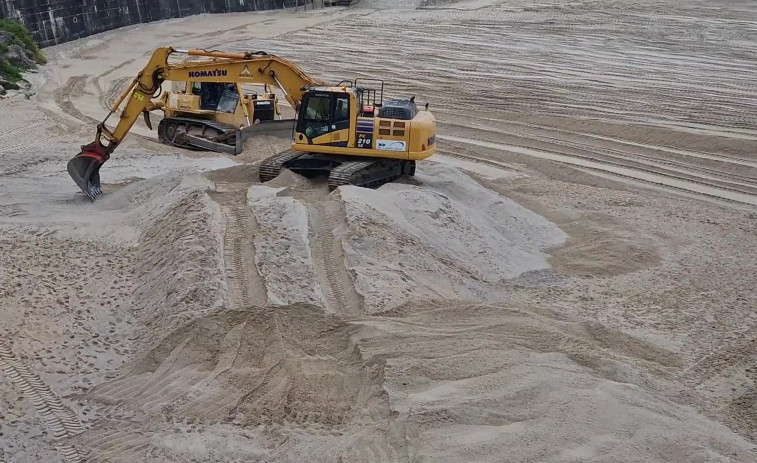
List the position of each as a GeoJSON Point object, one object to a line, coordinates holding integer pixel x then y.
{"type": "Point", "coordinates": [283, 251]}
{"type": "Point", "coordinates": [447, 238]}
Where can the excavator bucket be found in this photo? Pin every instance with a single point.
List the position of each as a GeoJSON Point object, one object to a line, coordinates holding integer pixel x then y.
{"type": "Point", "coordinates": [84, 168]}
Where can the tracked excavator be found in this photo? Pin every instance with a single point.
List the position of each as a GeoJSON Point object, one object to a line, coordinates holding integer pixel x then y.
{"type": "Point", "coordinates": [343, 130]}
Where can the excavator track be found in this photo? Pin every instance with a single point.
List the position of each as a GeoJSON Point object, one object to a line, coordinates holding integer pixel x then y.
{"type": "Point", "coordinates": [171, 131]}
{"type": "Point", "coordinates": [270, 168]}
{"type": "Point", "coordinates": [342, 170]}
{"type": "Point", "coordinates": [369, 174]}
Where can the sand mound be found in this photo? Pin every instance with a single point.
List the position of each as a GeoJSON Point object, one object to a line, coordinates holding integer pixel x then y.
{"type": "Point", "coordinates": [170, 227]}
{"type": "Point", "coordinates": [52, 201]}
{"type": "Point", "coordinates": [288, 377]}
{"type": "Point", "coordinates": [447, 237]}
{"type": "Point", "coordinates": [431, 384]}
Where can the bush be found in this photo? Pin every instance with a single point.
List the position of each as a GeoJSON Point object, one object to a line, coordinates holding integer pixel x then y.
{"type": "Point", "coordinates": [9, 71]}
{"type": "Point", "coordinates": [22, 37]}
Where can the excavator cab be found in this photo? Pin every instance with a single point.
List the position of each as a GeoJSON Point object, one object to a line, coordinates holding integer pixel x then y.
{"type": "Point", "coordinates": [215, 96]}
{"type": "Point", "coordinates": [325, 113]}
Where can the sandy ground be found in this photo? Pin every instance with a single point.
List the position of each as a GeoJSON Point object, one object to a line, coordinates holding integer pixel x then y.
{"type": "Point", "coordinates": [571, 277]}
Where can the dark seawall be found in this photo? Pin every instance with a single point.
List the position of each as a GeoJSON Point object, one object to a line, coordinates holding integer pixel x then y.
{"type": "Point", "coordinates": [56, 21]}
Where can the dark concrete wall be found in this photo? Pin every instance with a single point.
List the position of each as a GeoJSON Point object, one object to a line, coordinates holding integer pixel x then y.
{"type": "Point", "coordinates": [56, 21]}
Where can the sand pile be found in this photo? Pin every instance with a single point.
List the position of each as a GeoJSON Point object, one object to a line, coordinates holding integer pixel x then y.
{"type": "Point", "coordinates": [446, 237]}
{"type": "Point", "coordinates": [443, 235]}
{"type": "Point", "coordinates": [429, 383]}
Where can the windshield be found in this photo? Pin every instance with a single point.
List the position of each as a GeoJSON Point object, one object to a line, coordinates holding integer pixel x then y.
{"type": "Point", "coordinates": [318, 108]}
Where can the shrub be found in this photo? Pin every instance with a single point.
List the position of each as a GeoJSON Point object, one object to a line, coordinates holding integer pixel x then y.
{"type": "Point", "coordinates": [9, 71]}
{"type": "Point", "coordinates": [22, 37]}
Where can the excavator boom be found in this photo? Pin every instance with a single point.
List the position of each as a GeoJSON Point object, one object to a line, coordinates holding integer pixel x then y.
{"type": "Point", "coordinates": [218, 67]}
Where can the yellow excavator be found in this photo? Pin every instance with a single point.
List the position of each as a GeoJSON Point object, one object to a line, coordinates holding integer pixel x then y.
{"type": "Point", "coordinates": [345, 130]}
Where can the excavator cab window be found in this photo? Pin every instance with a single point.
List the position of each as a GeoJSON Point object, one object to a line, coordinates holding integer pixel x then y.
{"type": "Point", "coordinates": [317, 108]}
{"type": "Point", "coordinates": [342, 111]}
{"type": "Point", "coordinates": [315, 115]}
{"type": "Point", "coordinates": [211, 94]}
{"type": "Point", "coordinates": [323, 113]}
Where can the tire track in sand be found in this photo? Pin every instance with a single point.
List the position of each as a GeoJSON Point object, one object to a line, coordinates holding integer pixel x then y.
{"type": "Point", "coordinates": [622, 171]}
{"type": "Point", "coordinates": [246, 285]}
{"type": "Point", "coordinates": [325, 215]}
{"type": "Point", "coordinates": [73, 86]}
{"type": "Point", "coordinates": [115, 89]}
{"type": "Point", "coordinates": [328, 257]}
{"type": "Point", "coordinates": [58, 418]}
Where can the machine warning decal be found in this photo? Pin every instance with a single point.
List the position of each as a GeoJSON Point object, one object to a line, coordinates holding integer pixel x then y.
{"type": "Point", "coordinates": [245, 72]}
{"type": "Point", "coordinates": [365, 140]}
{"type": "Point", "coordinates": [390, 145]}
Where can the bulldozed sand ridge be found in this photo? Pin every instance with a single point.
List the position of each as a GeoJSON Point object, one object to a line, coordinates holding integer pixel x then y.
{"type": "Point", "coordinates": [571, 278]}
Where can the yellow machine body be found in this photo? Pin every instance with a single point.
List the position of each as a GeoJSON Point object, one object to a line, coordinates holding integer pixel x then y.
{"type": "Point", "coordinates": [250, 107]}
{"type": "Point", "coordinates": [360, 131]}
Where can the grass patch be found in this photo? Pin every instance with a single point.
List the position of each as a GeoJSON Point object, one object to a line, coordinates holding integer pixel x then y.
{"type": "Point", "coordinates": [22, 37]}
{"type": "Point", "coordinates": [9, 71]}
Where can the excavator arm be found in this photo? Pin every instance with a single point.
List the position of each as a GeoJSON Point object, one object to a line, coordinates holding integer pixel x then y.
{"type": "Point", "coordinates": [257, 68]}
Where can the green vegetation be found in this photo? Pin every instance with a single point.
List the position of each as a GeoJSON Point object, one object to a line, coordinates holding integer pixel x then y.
{"type": "Point", "coordinates": [9, 71]}
{"type": "Point", "coordinates": [22, 38]}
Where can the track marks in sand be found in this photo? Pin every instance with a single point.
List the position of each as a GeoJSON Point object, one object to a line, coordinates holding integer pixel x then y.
{"type": "Point", "coordinates": [61, 421]}
{"type": "Point", "coordinates": [290, 373]}
{"type": "Point", "coordinates": [74, 86]}
{"type": "Point", "coordinates": [624, 171]}
{"type": "Point", "coordinates": [338, 288]}
{"type": "Point", "coordinates": [112, 441]}
{"type": "Point", "coordinates": [114, 91]}
{"type": "Point", "coordinates": [246, 285]}
{"type": "Point", "coordinates": [326, 224]}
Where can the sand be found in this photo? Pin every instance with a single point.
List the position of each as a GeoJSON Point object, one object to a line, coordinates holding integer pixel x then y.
{"type": "Point", "coordinates": [445, 238]}
{"type": "Point", "coordinates": [571, 278]}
